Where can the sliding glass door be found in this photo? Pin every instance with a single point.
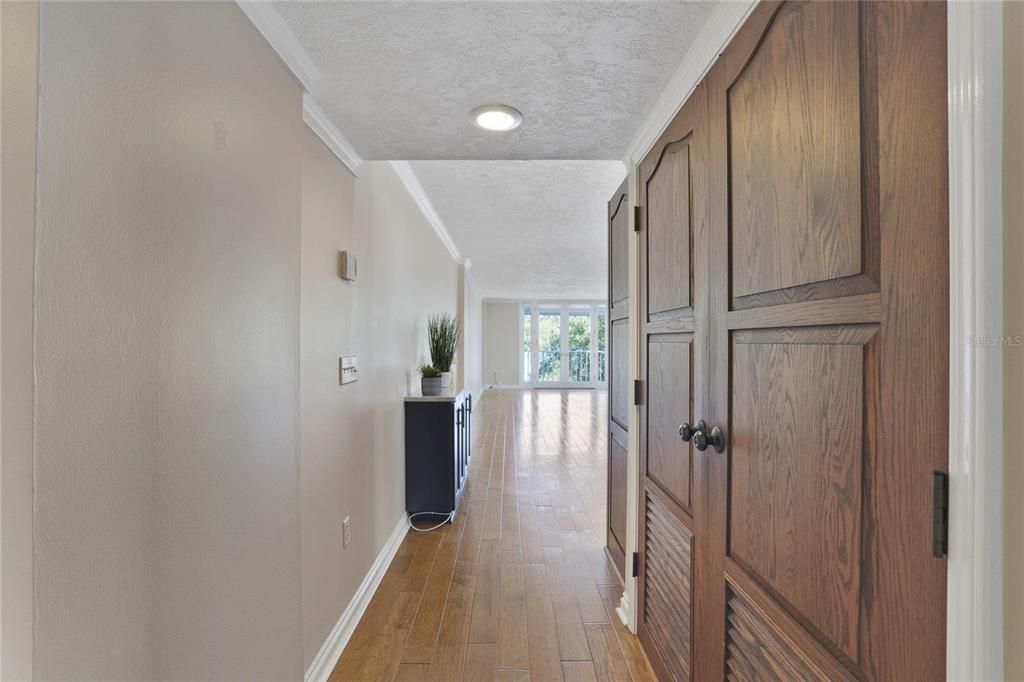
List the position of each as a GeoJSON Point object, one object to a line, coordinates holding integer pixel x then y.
{"type": "Point", "coordinates": [563, 344]}
{"type": "Point", "coordinates": [549, 344]}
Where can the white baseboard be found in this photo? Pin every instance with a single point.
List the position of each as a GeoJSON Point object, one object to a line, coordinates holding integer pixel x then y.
{"type": "Point", "coordinates": [623, 610]}
{"type": "Point", "coordinates": [320, 669]}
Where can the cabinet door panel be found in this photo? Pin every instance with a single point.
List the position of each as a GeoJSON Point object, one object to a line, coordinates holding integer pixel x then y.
{"type": "Point", "coordinates": [667, 599]}
{"type": "Point", "coordinates": [618, 255]}
{"type": "Point", "coordinates": [669, 378]}
{"type": "Point", "coordinates": [619, 378]}
{"type": "Point", "coordinates": [794, 152]}
{"type": "Point", "coordinates": [617, 472]}
{"type": "Point", "coordinates": [796, 497]}
{"type": "Point", "coordinates": [669, 232]}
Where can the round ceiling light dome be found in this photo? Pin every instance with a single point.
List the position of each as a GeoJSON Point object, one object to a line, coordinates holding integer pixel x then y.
{"type": "Point", "coordinates": [497, 117]}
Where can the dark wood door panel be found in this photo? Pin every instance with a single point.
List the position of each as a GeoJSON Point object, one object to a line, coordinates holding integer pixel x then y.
{"type": "Point", "coordinates": [797, 177]}
{"type": "Point", "coordinates": [617, 487]}
{"type": "Point", "coordinates": [794, 149]}
{"type": "Point", "coordinates": [667, 590]}
{"type": "Point", "coordinates": [761, 647]}
{"type": "Point", "coordinates": [670, 382]}
{"type": "Point", "coordinates": [669, 231]}
{"type": "Point", "coordinates": [796, 497]}
{"type": "Point", "coordinates": [766, 639]}
{"type": "Point", "coordinates": [618, 255]}
{"type": "Point", "coordinates": [617, 370]}
{"type": "Point", "coordinates": [619, 377]}
{"type": "Point", "coordinates": [673, 349]}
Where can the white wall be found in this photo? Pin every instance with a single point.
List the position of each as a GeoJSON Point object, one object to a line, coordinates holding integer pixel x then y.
{"type": "Point", "coordinates": [328, 423]}
{"type": "Point", "coordinates": [501, 343]}
{"type": "Point", "coordinates": [351, 437]}
{"type": "Point", "coordinates": [19, 40]}
{"type": "Point", "coordinates": [188, 322]}
{"type": "Point", "coordinates": [166, 346]}
{"type": "Point", "coordinates": [471, 351]}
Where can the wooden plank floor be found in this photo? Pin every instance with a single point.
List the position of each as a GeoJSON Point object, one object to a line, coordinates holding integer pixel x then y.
{"type": "Point", "coordinates": [518, 587]}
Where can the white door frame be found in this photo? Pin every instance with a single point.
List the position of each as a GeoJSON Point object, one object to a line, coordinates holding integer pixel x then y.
{"type": "Point", "coordinates": [974, 596]}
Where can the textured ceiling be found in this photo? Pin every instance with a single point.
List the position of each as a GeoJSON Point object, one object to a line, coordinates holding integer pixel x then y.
{"type": "Point", "coordinates": [532, 229]}
{"type": "Point", "coordinates": [399, 78]}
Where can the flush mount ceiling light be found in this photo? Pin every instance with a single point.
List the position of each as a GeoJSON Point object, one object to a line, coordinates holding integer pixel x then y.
{"type": "Point", "coordinates": [496, 117]}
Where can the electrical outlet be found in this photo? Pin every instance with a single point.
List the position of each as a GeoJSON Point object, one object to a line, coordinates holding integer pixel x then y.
{"type": "Point", "coordinates": [346, 532]}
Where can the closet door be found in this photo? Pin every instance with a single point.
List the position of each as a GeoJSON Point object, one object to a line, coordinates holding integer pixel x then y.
{"type": "Point", "coordinates": [828, 294]}
{"type": "Point", "coordinates": [674, 356]}
{"type": "Point", "coordinates": [618, 372]}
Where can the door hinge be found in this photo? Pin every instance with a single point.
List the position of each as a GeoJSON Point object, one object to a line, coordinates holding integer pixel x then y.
{"type": "Point", "coordinates": [638, 392]}
{"type": "Point", "coordinates": [635, 571]}
{"type": "Point", "coordinates": [940, 513]}
{"type": "Point", "coordinates": [636, 218]}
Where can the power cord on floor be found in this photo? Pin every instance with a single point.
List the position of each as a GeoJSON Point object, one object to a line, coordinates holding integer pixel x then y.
{"type": "Point", "coordinates": [447, 517]}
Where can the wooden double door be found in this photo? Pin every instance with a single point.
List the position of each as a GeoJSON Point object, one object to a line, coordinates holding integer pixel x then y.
{"type": "Point", "coordinates": [794, 316]}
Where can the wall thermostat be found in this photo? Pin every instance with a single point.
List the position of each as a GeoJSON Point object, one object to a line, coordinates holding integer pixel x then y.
{"type": "Point", "coordinates": [346, 266]}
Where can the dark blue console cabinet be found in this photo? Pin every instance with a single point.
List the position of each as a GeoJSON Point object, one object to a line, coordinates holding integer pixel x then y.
{"type": "Point", "coordinates": [437, 452]}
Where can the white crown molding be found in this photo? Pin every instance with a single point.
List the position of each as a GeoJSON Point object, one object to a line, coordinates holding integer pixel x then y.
{"type": "Point", "coordinates": [322, 666]}
{"type": "Point", "coordinates": [268, 22]}
{"type": "Point", "coordinates": [412, 184]}
{"type": "Point", "coordinates": [974, 600]}
{"type": "Point", "coordinates": [317, 120]}
{"type": "Point", "coordinates": [276, 32]}
{"type": "Point", "coordinates": [712, 38]}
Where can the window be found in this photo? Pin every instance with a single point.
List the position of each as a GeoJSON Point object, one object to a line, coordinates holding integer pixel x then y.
{"type": "Point", "coordinates": [549, 343]}
{"type": "Point", "coordinates": [563, 343]}
{"type": "Point", "coordinates": [527, 338]}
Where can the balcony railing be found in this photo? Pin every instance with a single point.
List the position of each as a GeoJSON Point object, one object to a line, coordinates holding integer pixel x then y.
{"type": "Point", "coordinates": [579, 366]}
{"type": "Point", "coordinates": [550, 366]}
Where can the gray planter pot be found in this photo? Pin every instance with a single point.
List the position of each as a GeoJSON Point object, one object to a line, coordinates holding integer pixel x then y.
{"type": "Point", "coordinates": [431, 385]}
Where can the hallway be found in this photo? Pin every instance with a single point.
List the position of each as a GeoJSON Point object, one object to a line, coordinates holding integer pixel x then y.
{"type": "Point", "coordinates": [519, 587]}
{"type": "Point", "coordinates": [698, 321]}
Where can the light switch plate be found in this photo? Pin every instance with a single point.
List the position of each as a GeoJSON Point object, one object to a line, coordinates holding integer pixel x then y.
{"type": "Point", "coordinates": [348, 369]}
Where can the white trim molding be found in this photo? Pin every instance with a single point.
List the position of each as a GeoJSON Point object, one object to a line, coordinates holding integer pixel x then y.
{"type": "Point", "coordinates": [276, 32]}
{"type": "Point", "coordinates": [268, 22]}
{"type": "Point", "coordinates": [712, 38]}
{"type": "Point", "coordinates": [322, 666]}
{"type": "Point", "coordinates": [974, 613]}
{"type": "Point", "coordinates": [315, 118]}
{"type": "Point", "coordinates": [624, 609]}
{"type": "Point", "coordinates": [408, 177]}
